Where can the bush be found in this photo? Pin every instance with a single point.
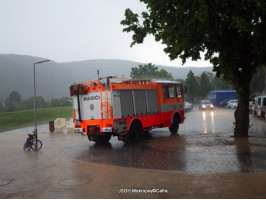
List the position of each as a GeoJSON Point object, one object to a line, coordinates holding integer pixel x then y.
{"type": "Point", "coordinates": [29, 103]}
{"type": "Point", "coordinates": [59, 103]}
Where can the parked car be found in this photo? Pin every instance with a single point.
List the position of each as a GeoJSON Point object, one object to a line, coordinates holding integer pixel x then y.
{"type": "Point", "coordinates": [232, 103]}
{"type": "Point", "coordinates": [188, 106]}
{"type": "Point", "coordinates": [205, 105]}
{"type": "Point", "coordinates": [224, 102]}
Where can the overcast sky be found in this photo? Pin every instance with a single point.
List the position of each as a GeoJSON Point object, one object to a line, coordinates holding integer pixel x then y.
{"type": "Point", "coordinates": [76, 30]}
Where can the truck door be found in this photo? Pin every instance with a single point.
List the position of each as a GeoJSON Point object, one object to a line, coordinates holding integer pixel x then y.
{"type": "Point", "coordinates": [172, 95]}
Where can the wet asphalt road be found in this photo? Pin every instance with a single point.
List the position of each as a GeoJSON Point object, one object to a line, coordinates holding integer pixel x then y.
{"type": "Point", "coordinates": [202, 161]}
{"type": "Point", "coordinates": [161, 150]}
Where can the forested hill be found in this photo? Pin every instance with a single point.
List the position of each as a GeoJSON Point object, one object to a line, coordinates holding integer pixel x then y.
{"type": "Point", "coordinates": [53, 79]}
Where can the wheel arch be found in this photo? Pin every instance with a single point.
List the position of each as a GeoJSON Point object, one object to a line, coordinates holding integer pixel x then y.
{"type": "Point", "coordinates": [137, 120]}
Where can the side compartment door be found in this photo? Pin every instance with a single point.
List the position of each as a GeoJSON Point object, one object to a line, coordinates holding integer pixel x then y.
{"type": "Point", "coordinates": [152, 101]}
{"type": "Point", "coordinates": [116, 104]}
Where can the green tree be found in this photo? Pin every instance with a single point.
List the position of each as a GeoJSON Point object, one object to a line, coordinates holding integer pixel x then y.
{"type": "Point", "coordinates": [55, 103]}
{"type": "Point", "coordinates": [66, 103]}
{"type": "Point", "coordinates": [14, 96]}
{"type": "Point", "coordinates": [13, 101]}
{"type": "Point", "coordinates": [59, 103]}
{"type": "Point", "coordinates": [230, 33]}
{"type": "Point", "coordinates": [258, 82]}
{"type": "Point", "coordinates": [149, 71]}
{"type": "Point", "coordinates": [40, 103]}
{"type": "Point", "coordinates": [179, 80]}
{"type": "Point", "coordinates": [219, 84]}
{"type": "Point", "coordinates": [1, 107]}
{"type": "Point", "coordinates": [205, 85]}
{"type": "Point", "coordinates": [192, 86]}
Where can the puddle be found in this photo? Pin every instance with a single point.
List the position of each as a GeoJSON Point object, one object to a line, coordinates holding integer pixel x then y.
{"type": "Point", "coordinates": [74, 181]}
{"type": "Point", "coordinates": [4, 182]}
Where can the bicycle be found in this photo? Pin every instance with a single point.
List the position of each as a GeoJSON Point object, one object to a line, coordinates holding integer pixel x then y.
{"type": "Point", "coordinates": [31, 143]}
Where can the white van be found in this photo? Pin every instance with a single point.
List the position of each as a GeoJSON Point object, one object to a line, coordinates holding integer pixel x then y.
{"type": "Point", "coordinates": [260, 106]}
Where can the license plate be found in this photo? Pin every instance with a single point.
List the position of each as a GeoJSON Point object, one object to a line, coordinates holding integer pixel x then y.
{"type": "Point", "coordinates": [79, 130]}
{"type": "Point", "coordinates": [107, 130]}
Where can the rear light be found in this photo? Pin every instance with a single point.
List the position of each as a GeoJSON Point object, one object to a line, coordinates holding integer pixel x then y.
{"type": "Point", "coordinates": [77, 126]}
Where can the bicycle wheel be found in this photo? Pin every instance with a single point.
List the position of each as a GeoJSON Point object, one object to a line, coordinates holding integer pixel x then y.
{"type": "Point", "coordinates": [36, 146]}
{"type": "Point", "coordinates": [25, 146]}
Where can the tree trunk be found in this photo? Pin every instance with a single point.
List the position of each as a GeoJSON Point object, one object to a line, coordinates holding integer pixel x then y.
{"type": "Point", "coordinates": [242, 111]}
{"type": "Point", "coordinates": [242, 117]}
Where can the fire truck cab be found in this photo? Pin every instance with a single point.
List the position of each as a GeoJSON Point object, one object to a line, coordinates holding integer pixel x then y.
{"type": "Point", "coordinates": [127, 108]}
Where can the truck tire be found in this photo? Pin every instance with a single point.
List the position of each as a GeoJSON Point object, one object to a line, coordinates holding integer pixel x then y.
{"type": "Point", "coordinates": [135, 131]}
{"type": "Point", "coordinates": [105, 138]}
{"type": "Point", "coordinates": [175, 125]}
{"type": "Point", "coordinates": [126, 138]}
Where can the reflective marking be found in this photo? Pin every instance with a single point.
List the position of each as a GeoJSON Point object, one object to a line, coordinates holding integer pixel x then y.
{"type": "Point", "coordinates": [172, 106]}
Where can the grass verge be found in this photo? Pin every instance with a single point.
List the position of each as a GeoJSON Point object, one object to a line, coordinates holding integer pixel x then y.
{"type": "Point", "coordinates": [24, 118]}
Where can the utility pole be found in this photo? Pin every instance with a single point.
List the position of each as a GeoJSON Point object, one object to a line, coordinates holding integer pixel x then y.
{"type": "Point", "coordinates": [34, 82]}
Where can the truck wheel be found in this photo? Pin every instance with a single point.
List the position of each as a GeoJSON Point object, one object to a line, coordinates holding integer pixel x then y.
{"type": "Point", "coordinates": [135, 131]}
{"type": "Point", "coordinates": [175, 125]}
{"type": "Point", "coordinates": [146, 134]}
{"type": "Point", "coordinates": [105, 138]}
{"type": "Point", "coordinates": [126, 138]}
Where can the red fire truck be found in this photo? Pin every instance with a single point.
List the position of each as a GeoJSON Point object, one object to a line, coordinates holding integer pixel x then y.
{"type": "Point", "coordinates": [127, 108]}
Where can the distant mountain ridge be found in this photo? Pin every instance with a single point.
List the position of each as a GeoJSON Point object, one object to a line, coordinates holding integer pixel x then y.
{"type": "Point", "coordinates": [54, 79]}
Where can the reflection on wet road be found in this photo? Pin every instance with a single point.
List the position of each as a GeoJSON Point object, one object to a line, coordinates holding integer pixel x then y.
{"type": "Point", "coordinates": [204, 144]}
{"type": "Point", "coordinates": [257, 126]}
{"type": "Point", "coordinates": [208, 124]}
